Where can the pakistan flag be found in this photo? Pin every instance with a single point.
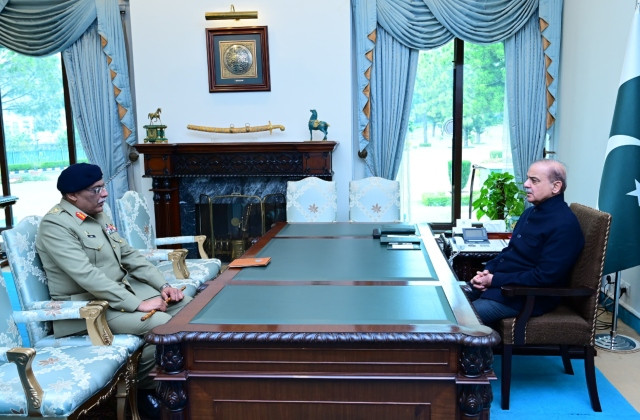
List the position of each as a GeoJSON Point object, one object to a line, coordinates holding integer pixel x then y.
{"type": "Point", "coordinates": [620, 183]}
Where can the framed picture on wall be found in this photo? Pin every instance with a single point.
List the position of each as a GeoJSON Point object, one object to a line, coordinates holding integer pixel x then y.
{"type": "Point", "coordinates": [238, 59]}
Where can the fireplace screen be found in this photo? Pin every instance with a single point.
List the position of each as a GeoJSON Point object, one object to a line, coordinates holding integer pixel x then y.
{"type": "Point", "coordinates": [232, 223]}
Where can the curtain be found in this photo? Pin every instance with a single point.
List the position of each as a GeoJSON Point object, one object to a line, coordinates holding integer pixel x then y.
{"type": "Point", "coordinates": [391, 92]}
{"type": "Point", "coordinates": [43, 27]}
{"type": "Point", "coordinates": [524, 63]}
{"type": "Point", "coordinates": [96, 118]}
{"type": "Point", "coordinates": [426, 24]}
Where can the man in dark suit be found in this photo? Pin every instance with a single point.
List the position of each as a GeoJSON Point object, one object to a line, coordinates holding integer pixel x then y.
{"type": "Point", "coordinates": [543, 248]}
{"type": "Point", "coordinates": [85, 258]}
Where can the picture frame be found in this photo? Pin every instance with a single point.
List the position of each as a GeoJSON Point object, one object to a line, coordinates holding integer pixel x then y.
{"type": "Point", "coordinates": [238, 59]}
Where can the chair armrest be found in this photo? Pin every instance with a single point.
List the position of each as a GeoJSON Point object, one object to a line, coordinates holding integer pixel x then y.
{"type": "Point", "coordinates": [23, 358]}
{"type": "Point", "coordinates": [52, 305]}
{"type": "Point", "coordinates": [177, 258]}
{"type": "Point", "coordinates": [94, 314]}
{"type": "Point", "coordinates": [199, 239]}
{"type": "Point", "coordinates": [513, 291]}
{"type": "Point", "coordinates": [156, 255]}
{"type": "Point", "coordinates": [91, 311]}
{"type": "Point", "coordinates": [530, 294]}
{"type": "Point", "coordinates": [51, 310]}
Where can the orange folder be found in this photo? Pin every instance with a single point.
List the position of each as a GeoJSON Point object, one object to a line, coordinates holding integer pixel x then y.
{"type": "Point", "coordinates": [249, 262]}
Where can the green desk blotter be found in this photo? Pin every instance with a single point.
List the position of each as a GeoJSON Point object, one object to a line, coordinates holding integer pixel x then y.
{"type": "Point", "coordinates": [325, 304]}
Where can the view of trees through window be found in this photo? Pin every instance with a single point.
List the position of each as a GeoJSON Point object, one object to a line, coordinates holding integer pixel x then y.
{"type": "Point", "coordinates": [425, 173]}
{"type": "Point", "coordinates": [35, 132]}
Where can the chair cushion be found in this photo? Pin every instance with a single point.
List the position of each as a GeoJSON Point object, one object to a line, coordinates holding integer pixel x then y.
{"type": "Point", "coordinates": [68, 375]}
{"type": "Point", "coordinates": [560, 326]}
{"type": "Point", "coordinates": [128, 341]}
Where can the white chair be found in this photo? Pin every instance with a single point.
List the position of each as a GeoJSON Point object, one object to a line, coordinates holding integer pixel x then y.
{"type": "Point", "coordinates": [374, 199]}
{"type": "Point", "coordinates": [137, 229]}
{"type": "Point", "coordinates": [311, 200]}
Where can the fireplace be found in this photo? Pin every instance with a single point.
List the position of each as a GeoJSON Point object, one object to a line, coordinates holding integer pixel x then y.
{"type": "Point", "coordinates": [234, 222]}
{"type": "Point", "coordinates": [183, 173]}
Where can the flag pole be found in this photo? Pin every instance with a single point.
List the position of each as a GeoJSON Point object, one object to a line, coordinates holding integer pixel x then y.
{"type": "Point", "coordinates": [613, 341]}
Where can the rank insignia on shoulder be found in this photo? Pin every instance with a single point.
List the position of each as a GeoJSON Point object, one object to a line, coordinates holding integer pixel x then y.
{"type": "Point", "coordinates": [55, 210]}
{"type": "Point", "coordinates": [110, 228]}
{"type": "Point", "coordinates": [81, 215]}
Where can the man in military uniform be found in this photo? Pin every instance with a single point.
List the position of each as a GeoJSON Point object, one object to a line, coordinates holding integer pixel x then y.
{"type": "Point", "coordinates": [85, 258]}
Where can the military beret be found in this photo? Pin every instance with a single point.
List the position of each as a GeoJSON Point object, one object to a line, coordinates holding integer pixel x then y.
{"type": "Point", "coordinates": [78, 177]}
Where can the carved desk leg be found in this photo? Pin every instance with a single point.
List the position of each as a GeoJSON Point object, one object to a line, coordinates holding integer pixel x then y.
{"type": "Point", "coordinates": [475, 399]}
{"type": "Point", "coordinates": [172, 393]}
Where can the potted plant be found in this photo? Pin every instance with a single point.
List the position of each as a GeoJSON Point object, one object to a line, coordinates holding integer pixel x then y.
{"type": "Point", "coordinates": [500, 198]}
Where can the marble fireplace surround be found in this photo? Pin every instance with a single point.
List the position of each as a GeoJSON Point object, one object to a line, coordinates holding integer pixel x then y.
{"type": "Point", "coordinates": [182, 172]}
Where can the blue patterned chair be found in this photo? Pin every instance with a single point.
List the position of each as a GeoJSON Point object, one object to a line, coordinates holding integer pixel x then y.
{"type": "Point", "coordinates": [137, 229]}
{"type": "Point", "coordinates": [374, 199]}
{"type": "Point", "coordinates": [28, 284]}
{"type": "Point", "coordinates": [62, 381]}
{"type": "Point", "coordinates": [311, 200]}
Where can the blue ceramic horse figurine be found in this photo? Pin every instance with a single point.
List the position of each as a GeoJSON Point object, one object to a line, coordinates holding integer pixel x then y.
{"type": "Point", "coordinates": [314, 124]}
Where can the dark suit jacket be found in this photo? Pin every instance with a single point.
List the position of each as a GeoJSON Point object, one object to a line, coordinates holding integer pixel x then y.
{"type": "Point", "coordinates": [543, 248]}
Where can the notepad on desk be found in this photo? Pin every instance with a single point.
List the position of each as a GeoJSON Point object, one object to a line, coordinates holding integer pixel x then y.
{"type": "Point", "coordinates": [249, 262]}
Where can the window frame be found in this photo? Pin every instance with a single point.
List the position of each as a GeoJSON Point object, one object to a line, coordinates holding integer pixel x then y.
{"type": "Point", "coordinates": [456, 147]}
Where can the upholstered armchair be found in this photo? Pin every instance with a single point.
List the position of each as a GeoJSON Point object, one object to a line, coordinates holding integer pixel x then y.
{"type": "Point", "coordinates": [28, 284]}
{"type": "Point", "coordinates": [34, 308]}
{"type": "Point", "coordinates": [311, 200]}
{"type": "Point", "coordinates": [569, 330]}
{"type": "Point", "coordinates": [60, 381]}
{"type": "Point", "coordinates": [374, 199]}
{"type": "Point", "coordinates": [137, 229]}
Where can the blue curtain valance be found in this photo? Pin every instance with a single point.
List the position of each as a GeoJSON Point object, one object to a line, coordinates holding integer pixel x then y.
{"type": "Point", "coordinates": [43, 27]}
{"type": "Point", "coordinates": [426, 24]}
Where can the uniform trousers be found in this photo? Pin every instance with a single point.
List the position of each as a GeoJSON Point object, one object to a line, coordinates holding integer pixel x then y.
{"type": "Point", "coordinates": [130, 323]}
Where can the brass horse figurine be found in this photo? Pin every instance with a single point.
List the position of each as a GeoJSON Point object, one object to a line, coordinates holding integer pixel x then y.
{"type": "Point", "coordinates": [315, 124]}
{"type": "Point", "coordinates": [155, 116]}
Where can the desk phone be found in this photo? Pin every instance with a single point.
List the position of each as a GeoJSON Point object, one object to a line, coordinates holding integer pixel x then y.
{"type": "Point", "coordinates": [475, 235]}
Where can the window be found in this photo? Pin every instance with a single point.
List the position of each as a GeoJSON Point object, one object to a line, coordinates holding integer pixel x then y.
{"type": "Point", "coordinates": [457, 121]}
{"type": "Point", "coordinates": [37, 138]}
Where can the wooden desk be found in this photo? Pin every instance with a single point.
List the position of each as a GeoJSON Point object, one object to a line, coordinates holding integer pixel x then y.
{"type": "Point", "coordinates": [335, 327]}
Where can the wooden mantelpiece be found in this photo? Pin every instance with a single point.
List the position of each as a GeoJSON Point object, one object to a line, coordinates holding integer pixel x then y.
{"type": "Point", "coordinates": [166, 163]}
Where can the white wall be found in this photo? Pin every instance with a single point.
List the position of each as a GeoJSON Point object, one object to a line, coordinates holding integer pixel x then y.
{"type": "Point", "coordinates": [594, 39]}
{"type": "Point", "coordinates": [310, 68]}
